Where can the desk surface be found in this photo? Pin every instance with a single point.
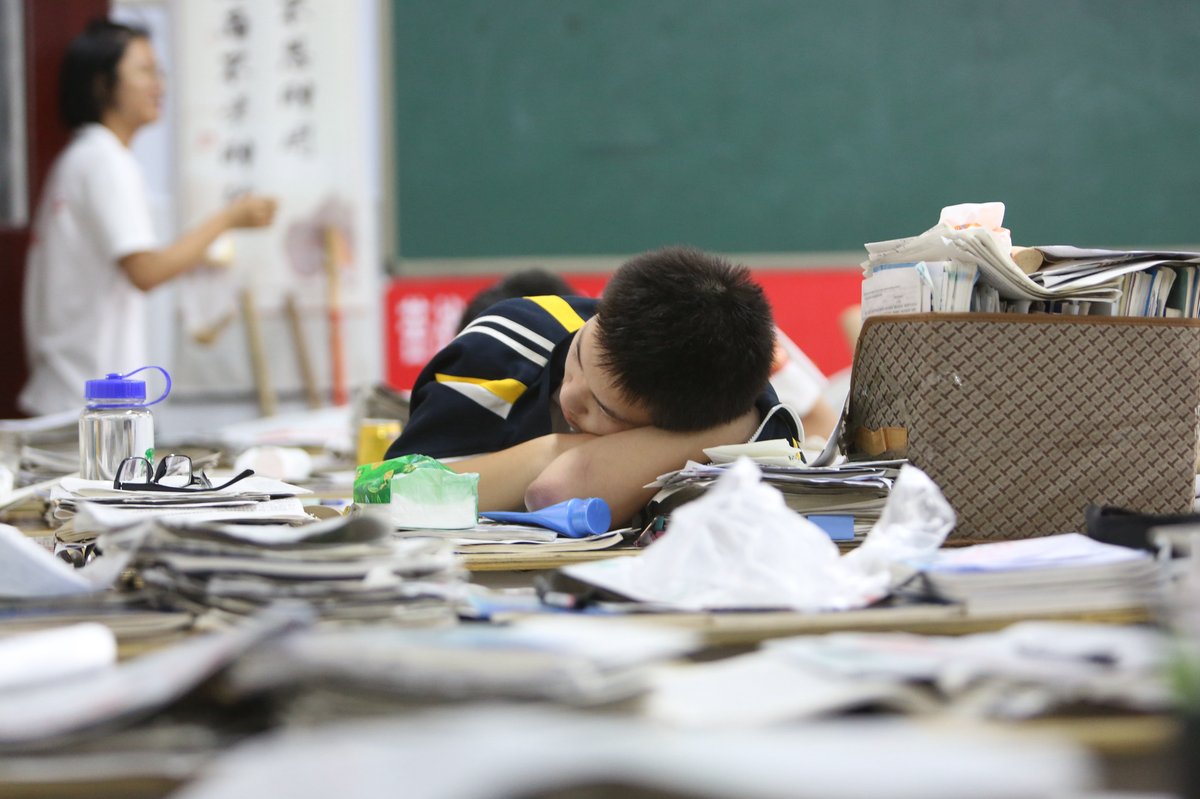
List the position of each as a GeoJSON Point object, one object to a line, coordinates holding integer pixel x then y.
{"type": "Point", "coordinates": [741, 629]}
{"type": "Point", "coordinates": [538, 561]}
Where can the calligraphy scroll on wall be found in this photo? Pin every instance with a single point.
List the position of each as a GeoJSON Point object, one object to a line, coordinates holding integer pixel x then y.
{"type": "Point", "coordinates": [280, 97]}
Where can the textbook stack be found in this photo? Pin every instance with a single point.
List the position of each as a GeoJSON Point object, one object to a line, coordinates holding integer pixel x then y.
{"type": "Point", "coordinates": [911, 276]}
{"type": "Point", "coordinates": [348, 569]}
{"type": "Point", "coordinates": [1058, 573]}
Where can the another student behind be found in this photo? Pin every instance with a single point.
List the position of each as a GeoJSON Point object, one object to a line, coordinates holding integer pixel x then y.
{"type": "Point", "coordinates": [524, 283]}
{"type": "Point", "coordinates": [800, 384]}
{"type": "Point", "coordinates": [94, 249]}
{"type": "Point", "coordinates": [557, 397]}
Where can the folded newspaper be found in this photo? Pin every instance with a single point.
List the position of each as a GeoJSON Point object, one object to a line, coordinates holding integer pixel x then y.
{"type": "Point", "coordinates": [342, 568]}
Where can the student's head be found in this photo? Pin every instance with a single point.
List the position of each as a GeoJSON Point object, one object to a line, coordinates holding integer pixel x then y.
{"type": "Point", "coordinates": [682, 340]}
{"type": "Point", "coordinates": [110, 69]}
{"type": "Point", "coordinates": [530, 282]}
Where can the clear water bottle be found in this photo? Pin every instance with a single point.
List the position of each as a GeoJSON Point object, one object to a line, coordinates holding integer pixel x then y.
{"type": "Point", "coordinates": [116, 424]}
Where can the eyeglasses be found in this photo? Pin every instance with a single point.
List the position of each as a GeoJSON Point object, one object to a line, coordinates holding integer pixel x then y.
{"type": "Point", "coordinates": [174, 473]}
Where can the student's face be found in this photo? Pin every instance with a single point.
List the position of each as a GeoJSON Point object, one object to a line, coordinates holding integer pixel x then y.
{"type": "Point", "coordinates": [137, 98]}
{"type": "Point", "coordinates": [588, 397]}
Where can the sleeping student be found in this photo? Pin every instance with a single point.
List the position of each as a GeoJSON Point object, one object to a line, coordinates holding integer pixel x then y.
{"type": "Point", "coordinates": [551, 397]}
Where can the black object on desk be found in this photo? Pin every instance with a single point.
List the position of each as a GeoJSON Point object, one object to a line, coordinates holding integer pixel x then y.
{"type": "Point", "coordinates": [1112, 525]}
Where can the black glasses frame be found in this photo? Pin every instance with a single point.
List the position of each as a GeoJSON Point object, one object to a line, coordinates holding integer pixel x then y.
{"type": "Point", "coordinates": [170, 467]}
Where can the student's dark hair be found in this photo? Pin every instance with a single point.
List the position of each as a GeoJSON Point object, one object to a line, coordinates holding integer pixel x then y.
{"type": "Point", "coordinates": [89, 70]}
{"type": "Point", "coordinates": [531, 282]}
{"type": "Point", "coordinates": [687, 334]}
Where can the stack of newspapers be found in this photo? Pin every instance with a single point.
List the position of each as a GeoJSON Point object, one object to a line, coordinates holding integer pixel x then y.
{"type": "Point", "coordinates": [913, 274]}
{"type": "Point", "coordinates": [89, 507]}
{"type": "Point", "coordinates": [342, 568]}
{"type": "Point", "coordinates": [1152, 283]}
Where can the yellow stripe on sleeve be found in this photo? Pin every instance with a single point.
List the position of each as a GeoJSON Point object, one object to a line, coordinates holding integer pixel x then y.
{"type": "Point", "coordinates": [508, 389]}
{"type": "Point", "coordinates": [561, 310]}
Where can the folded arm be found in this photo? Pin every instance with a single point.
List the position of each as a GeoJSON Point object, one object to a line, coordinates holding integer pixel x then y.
{"type": "Point", "coordinates": [617, 466]}
{"type": "Point", "coordinates": [505, 475]}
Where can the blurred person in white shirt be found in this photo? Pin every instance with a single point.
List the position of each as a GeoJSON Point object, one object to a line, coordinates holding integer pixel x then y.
{"type": "Point", "coordinates": [94, 250]}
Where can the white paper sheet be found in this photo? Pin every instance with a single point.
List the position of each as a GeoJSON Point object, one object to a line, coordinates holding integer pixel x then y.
{"type": "Point", "coordinates": [29, 570]}
{"type": "Point", "coordinates": [60, 653]}
{"type": "Point", "coordinates": [521, 751]}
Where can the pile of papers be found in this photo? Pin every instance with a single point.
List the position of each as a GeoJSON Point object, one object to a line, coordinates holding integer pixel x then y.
{"type": "Point", "coordinates": [492, 538]}
{"type": "Point", "coordinates": [343, 568]}
{"type": "Point", "coordinates": [1028, 669]}
{"type": "Point", "coordinates": [1057, 573]}
{"type": "Point", "coordinates": [571, 659]}
{"type": "Point", "coordinates": [920, 287]}
{"type": "Point", "coordinates": [89, 507]}
{"type": "Point", "coordinates": [856, 489]}
{"type": "Point", "coordinates": [978, 246]}
{"type": "Point", "coordinates": [55, 713]}
{"type": "Point", "coordinates": [1152, 283]}
{"type": "Point", "coordinates": [911, 275]}
{"type": "Point", "coordinates": [518, 750]}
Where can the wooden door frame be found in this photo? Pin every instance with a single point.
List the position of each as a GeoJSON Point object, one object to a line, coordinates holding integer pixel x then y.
{"type": "Point", "coordinates": [49, 28]}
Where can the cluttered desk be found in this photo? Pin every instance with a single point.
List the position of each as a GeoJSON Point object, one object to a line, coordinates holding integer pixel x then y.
{"type": "Point", "coordinates": [216, 618]}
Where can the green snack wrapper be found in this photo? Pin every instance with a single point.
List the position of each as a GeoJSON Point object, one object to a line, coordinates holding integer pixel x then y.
{"type": "Point", "coordinates": [419, 492]}
{"type": "Point", "coordinates": [373, 481]}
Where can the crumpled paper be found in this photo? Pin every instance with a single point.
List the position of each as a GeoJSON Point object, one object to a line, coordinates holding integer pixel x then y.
{"type": "Point", "coordinates": [740, 547]}
{"type": "Point", "coordinates": [989, 216]}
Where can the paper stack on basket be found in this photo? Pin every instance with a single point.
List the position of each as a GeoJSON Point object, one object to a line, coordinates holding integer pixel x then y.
{"type": "Point", "coordinates": [967, 262]}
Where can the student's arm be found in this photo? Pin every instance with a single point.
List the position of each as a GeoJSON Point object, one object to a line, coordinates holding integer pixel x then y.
{"type": "Point", "coordinates": [616, 466]}
{"type": "Point", "coordinates": [505, 475]}
{"type": "Point", "coordinates": [152, 268]}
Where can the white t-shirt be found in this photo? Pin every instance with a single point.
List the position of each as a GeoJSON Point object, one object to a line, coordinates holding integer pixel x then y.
{"type": "Point", "coordinates": [83, 317]}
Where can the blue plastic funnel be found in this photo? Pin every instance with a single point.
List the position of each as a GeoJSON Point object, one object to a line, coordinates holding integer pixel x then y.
{"type": "Point", "coordinates": [574, 518]}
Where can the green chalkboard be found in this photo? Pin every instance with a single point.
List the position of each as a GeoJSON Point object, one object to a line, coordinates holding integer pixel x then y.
{"type": "Point", "coordinates": [580, 127]}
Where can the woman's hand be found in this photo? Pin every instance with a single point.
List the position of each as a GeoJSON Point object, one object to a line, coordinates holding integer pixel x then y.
{"type": "Point", "coordinates": [251, 210]}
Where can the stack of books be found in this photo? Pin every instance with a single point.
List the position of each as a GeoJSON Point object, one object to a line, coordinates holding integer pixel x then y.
{"type": "Point", "coordinates": [1052, 574]}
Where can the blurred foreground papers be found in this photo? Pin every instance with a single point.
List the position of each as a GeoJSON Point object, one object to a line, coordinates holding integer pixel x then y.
{"type": "Point", "coordinates": [509, 752]}
{"type": "Point", "coordinates": [740, 546]}
{"type": "Point", "coordinates": [27, 569]}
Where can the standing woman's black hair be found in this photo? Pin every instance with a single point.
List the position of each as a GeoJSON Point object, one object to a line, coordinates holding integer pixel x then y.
{"type": "Point", "coordinates": [89, 70]}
